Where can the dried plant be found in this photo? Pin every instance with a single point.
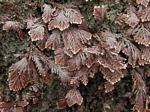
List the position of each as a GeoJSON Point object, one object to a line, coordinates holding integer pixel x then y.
{"type": "Point", "coordinates": [74, 54]}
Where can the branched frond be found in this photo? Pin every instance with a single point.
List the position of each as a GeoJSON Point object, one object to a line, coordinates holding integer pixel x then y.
{"type": "Point", "coordinates": [19, 74]}
{"type": "Point", "coordinates": [74, 39]}
{"type": "Point", "coordinates": [145, 14]}
{"type": "Point", "coordinates": [12, 25]}
{"type": "Point", "coordinates": [62, 71]}
{"type": "Point", "coordinates": [73, 14]}
{"type": "Point", "coordinates": [47, 12]}
{"type": "Point", "coordinates": [61, 103]}
{"type": "Point", "coordinates": [67, 14]}
{"type": "Point", "coordinates": [73, 96]}
{"type": "Point", "coordinates": [130, 18]}
{"type": "Point", "coordinates": [142, 2]}
{"type": "Point", "coordinates": [133, 53]}
{"type": "Point", "coordinates": [37, 32]}
{"type": "Point", "coordinates": [139, 88]}
{"type": "Point", "coordinates": [54, 39]}
{"type": "Point", "coordinates": [99, 13]}
{"type": "Point", "coordinates": [13, 107]}
{"type": "Point", "coordinates": [80, 59]}
{"type": "Point", "coordinates": [142, 35]}
{"type": "Point", "coordinates": [108, 87]}
{"type": "Point", "coordinates": [145, 53]}
{"type": "Point", "coordinates": [83, 74]}
{"type": "Point", "coordinates": [110, 76]}
{"type": "Point", "coordinates": [60, 57]}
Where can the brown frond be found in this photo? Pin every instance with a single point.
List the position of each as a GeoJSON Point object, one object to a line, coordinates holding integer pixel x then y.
{"type": "Point", "coordinates": [31, 21]}
{"type": "Point", "coordinates": [19, 74]}
{"type": "Point", "coordinates": [73, 14]}
{"type": "Point", "coordinates": [44, 64]}
{"type": "Point", "coordinates": [41, 43]}
{"type": "Point", "coordinates": [145, 14]}
{"type": "Point", "coordinates": [140, 102]}
{"type": "Point", "coordinates": [139, 88]}
{"type": "Point", "coordinates": [68, 52]}
{"type": "Point", "coordinates": [5, 107]}
{"type": "Point", "coordinates": [47, 12]}
{"type": "Point", "coordinates": [39, 65]}
{"type": "Point", "coordinates": [76, 62]}
{"type": "Point", "coordinates": [110, 40]}
{"type": "Point", "coordinates": [74, 39]}
{"type": "Point", "coordinates": [54, 40]}
{"type": "Point", "coordinates": [133, 53]}
{"type": "Point", "coordinates": [62, 71]}
{"type": "Point", "coordinates": [83, 74]}
{"type": "Point", "coordinates": [108, 87]}
{"type": "Point", "coordinates": [37, 32]}
{"type": "Point", "coordinates": [110, 76]}
{"type": "Point", "coordinates": [132, 20]}
{"type": "Point", "coordinates": [142, 35]}
{"type": "Point", "coordinates": [13, 107]}
{"type": "Point", "coordinates": [111, 61]}
{"type": "Point", "coordinates": [118, 107]}
{"type": "Point", "coordinates": [61, 103]}
{"type": "Point", "coordinates": [60, 57]}
{"type": "Point", "coordinates": [99, 13]}
{"type": "Point", "coordinates": [145, 53]}
{"type": "Point", "coordinates": [142, 2]}
{"type": "Point", "coordinates": [138, 82]}
{"type": "Point", "coordinates": [59, 21]}
{"type": "Point", "coordinates": [80, 59]}
{"type": "Point", "coordinates": [120, 20]}
{"type": "Point", "coordinates": [73, 96]}
{"type": "Point", "coordinates": [12, 25]}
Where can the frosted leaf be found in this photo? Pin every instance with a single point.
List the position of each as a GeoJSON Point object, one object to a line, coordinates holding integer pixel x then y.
{"type": "Point", "coordinates": [142, 36]}
{"type": "Point", "coordinates": [132, 20]}
{"type": "Point", "coordinates": [120, 19]}
{"type": "Point", "coordinates": [133, 53]}
{"type": "Point", "coordinates": [41, 43]}
{"type": "Point", "coordinates": [108, 87]}
{"type": "Point", "coordinates": [145, 53]}
{"type": "Point", "coordinates": [80, 59]}
{"type": "Point", "coordinates": [5, 107]}
{"type": "Point", "coordinates": [59, 21]}
{"type": "Point", "coordinates": [145, 14]}
{"type": "Point", "coordinates": [47, 12]}
{"type": "Point", "coordinates": [111, 61]}
{"type": "Point", "coordinates": [37, 32]}
{"type": "Point", "coordinates": [13, 107]}
{"type": "Point", "coordinates": [110, 40]}
{"type": "Point", "coordinates": [110, 76]}
{"type": "Point", "coordinates": [75, 38]}
{"type": "Point", "coordinates": [12, 25]}
{"type": "Point", "coordinates": [54, 40]}
{"type": "Point", "coordinates": [19, 75]}
{"type": "Point", "coordinates": [60, 57]}
{"type": "Point", "coordinates": [76, 62]}
{"type": "Point", "coordinates": [73, 96]}
{"type": "Point", "coordinates": [62, 71]}
{"type": "Point", "coordinates": [99, 13]}
{"type": "Point", "coordinates": [61, 103]}
{"type": "Point", "coordinates": [73, 15]}
{"type": "Point", "coordinates": [140, 102]}
{"type": "Point", "coordinates": [142, 2]}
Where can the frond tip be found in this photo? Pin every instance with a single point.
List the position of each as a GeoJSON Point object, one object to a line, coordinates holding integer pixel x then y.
{"type": "Point", "coordinates": [73, 97]}
{"type": "Point", "coordinates": [19, 75]}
